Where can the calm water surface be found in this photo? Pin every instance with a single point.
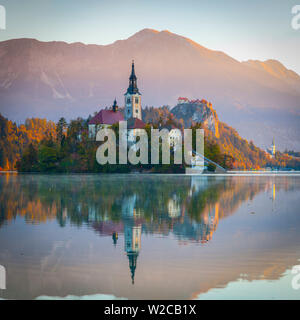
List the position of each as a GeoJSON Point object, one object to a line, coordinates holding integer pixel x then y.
{"type": "Point", "coordinates": [149, 237]}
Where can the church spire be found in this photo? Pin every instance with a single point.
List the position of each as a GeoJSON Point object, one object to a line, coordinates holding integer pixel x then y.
{"type": "Point", "coordinates": [133, 108]}
{"type": "Point", "coordinates": [115, 106]}
{"type": "Point", "coordinates": [132, 76]}
{"type": "Point", "coordinates": [133, 89]}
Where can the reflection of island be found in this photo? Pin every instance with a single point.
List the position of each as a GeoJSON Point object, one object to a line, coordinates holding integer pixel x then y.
{"type": "Point", "coordinates": [187, 230]}
{"type": "Point", "coordinates": [176, 217]}
{"type": "Point", "coordinates": [191, 209]}
{"type": "Point", "coordinates": [188, 209]}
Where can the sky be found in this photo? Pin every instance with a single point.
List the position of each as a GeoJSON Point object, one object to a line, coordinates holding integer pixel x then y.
{"type": "Point", "coordinates": [256, 29]}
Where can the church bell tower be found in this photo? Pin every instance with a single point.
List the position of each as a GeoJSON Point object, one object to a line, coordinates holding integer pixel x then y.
{"type": "Point", "coordinates": [133, 107]}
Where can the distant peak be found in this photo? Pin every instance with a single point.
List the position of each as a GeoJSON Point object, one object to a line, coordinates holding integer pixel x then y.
{"type": "Point", "coordinates": [270, 62]}
{"type": "Point", "coordinates": [273, 67]}
{"type": "Point", "coordinates": [146, 31]}
{"type": "Point", "coordinates": [149, 30]}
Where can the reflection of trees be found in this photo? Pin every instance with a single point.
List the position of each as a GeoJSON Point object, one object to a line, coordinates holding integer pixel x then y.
{"type": "Point", "coordinates": [188, 206]}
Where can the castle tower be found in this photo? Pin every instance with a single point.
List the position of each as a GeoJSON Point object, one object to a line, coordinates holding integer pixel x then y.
{"type": "Point", "coordinates": [133, 107]}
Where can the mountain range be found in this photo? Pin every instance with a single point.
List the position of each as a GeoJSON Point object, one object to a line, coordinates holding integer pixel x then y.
{"type": "Point", "coordinates": [261, 99]}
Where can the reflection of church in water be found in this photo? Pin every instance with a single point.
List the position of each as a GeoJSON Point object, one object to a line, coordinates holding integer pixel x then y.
{"type": "Point", "coordinates": [132, 239]}
{"type": "Point", "coordinates": [175, 219]}
{"type": "Point", "coordinates": [132, 232]}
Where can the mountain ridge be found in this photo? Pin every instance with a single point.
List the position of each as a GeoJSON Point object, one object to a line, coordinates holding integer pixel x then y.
{"type": "Point", "coordinates": [54, 79]}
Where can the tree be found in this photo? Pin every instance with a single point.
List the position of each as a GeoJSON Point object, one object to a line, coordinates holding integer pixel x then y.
{"type": "Point", "coordinates": [29, 160]}
{"type": "Point", "coordinates": [61, 127]}
{"type": "Point", "coordinates": [47, 156]}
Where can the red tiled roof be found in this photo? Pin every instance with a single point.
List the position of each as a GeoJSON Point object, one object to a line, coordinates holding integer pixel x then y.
{"type": "Point", "coordinates": [181, 98]}
{"type": "Point", "coordinates": [135, 123]}
{"type": "Point", "coordinates": [107, 117]}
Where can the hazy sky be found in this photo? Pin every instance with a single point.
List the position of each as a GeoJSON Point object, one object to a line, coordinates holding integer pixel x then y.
{"type": "Point", "coordinates": [256, 29]}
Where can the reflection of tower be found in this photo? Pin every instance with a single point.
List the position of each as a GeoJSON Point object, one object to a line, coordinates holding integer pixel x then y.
{"type": "Point", "coordinates": [214, 220]}
{"type": "Point", "coordinates": [197, 184]}
{"type": "Point", "coordinates": [273, 195]}
{"type": "Point", "coordinates": [132, 245]}
{"type": "Point", "coordinates": [173, 207]}
{"type": "Point", "coordinates": [132, 264]}
{"type": "Point", "coordinates": [132, 232]}
{"type": "Point", "coordinates": [115, 238]}
{"type": "Point", "coordinates": [128, 205]}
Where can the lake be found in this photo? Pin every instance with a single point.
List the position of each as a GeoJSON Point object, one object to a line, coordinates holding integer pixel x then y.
{"type": "Point", "coordinates": [150, 236]}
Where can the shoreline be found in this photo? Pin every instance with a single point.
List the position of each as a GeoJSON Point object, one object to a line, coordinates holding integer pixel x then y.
{"type": "Point", "coordinates": [235, 173]}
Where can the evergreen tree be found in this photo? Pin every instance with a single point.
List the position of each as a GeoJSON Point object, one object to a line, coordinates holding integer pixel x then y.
{"type": "Point", "coordinates": [61, 127]}
{"type": "Point", "coordinates": [29, 161]}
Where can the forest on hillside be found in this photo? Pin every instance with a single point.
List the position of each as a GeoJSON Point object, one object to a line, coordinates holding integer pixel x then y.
{"type": "Point", "coordinates": [241, 154]}
{"type": "Point", "coordinates": [39, 145]}
{"type": "Point", "coordinates": [14, 139]}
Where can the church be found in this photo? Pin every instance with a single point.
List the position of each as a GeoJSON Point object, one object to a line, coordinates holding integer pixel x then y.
{"type": "Point", "coordinates": [132, 111]}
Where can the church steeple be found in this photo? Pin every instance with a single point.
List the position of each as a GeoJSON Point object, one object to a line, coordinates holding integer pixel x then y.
{"type": "Point", "coordinates": [133, 107]}
{"type": "Point", "coordinates": [133, 89]}
{"type": "Point", "coordinates": [115, 106]}
{"type": "Point", "coordinates": [132, 76]}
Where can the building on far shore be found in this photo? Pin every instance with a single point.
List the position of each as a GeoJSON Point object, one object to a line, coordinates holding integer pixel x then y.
{"type": "Point", "coordinates": [183, 100]}
{"type": "Point", "coordinates": [271, 151]}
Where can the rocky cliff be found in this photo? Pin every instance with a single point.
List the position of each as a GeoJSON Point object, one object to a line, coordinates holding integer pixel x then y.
{"type": "Point", "coordinates": [196, 112]}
